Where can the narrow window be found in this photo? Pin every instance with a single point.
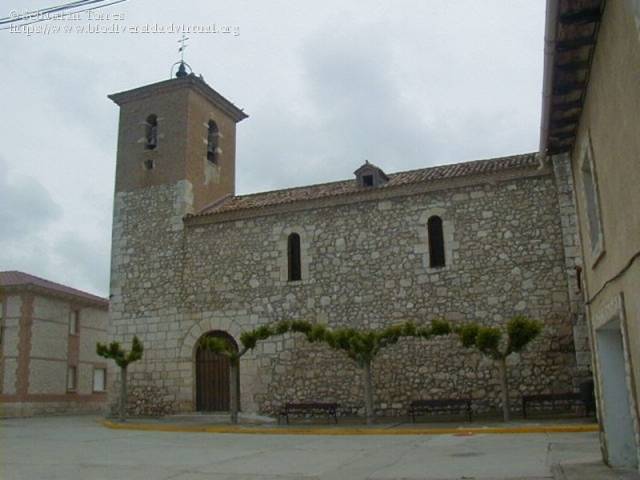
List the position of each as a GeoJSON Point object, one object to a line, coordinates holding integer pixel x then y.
{"type": "Point", "coordinates": [99, 379]}
{"type": "Point", "coordinates": [293, 254]}
{"type": "Point", "coordinates": [213, 136]}
{"type": "Point", "coordinates": [71, 379]}
{"type": "Point", "coordinates": [436, 242]}
{"type": "Point", "coordinates": [74, 320]}
{"type": "Point", "coordinates": [592, 205]}
{"type": "Point", "coordinates": [579, 277]}
{"type": "Point", "coordinates": [151, 132]}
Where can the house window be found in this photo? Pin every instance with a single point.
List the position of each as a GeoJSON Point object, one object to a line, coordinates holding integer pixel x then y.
{"type": "Point", "coordinates": [213, 139]}
{"type": "Point", "coordinates": [436, 242]}
{"type": "Point", "coordinates": [293, 257]}
{"type": "Point", "coordinates": [71, 379]}
{"type": "Point", "coordinates": [151, 132]}
{"type": "Point", "coordinates": [99, 379]}
{"type": "Point", "coordinates": [367, 180]}
{"type": "Point", "coordinates": [592, 204]}
{"type": "Point", "coordinates": [74, 322]}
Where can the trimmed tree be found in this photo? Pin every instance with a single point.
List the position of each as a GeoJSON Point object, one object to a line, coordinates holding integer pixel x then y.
{"type": "Point", "coordinates": [360, 345]}
{"type": "Point", "coordinates": [122, 358]}
{"type": "Point", "coordinates": [363, 346]}
{"type": "Point", "coordinates": [490, 342]}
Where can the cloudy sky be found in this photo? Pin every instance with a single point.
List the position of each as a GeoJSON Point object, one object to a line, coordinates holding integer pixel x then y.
{"type": "Point", "coordinates": [404, 84]}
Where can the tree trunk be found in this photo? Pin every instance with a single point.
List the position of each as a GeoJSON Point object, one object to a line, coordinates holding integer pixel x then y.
{"type": "Point", "coordinates": [123, 393]}
{"type": "Point", "coordinates": [234, 370]}
{"type": "Point", "coordinates": [368, 392]}
{"type": "Point", "coordinates": [502, 367]}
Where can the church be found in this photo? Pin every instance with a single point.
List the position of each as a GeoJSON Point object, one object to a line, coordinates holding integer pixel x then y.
{"type": "Point", "coordinates": [479, 241]}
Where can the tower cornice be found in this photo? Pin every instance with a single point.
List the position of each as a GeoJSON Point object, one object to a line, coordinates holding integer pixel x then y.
{"type": "Point", "coordinates": [190, 81]}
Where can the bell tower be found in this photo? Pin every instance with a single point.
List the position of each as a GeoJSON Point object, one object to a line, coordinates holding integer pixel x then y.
{"type": "Point", "coordinates": [177, 131]}
{"type": "Point", "coordinates": [176, 155]}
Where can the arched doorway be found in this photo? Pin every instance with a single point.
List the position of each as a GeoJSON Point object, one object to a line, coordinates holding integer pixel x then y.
{"type": "Point", "coordinates": [212, 377]}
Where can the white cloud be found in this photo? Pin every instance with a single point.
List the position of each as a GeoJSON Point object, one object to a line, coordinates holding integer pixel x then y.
{"type": "Point", "coordinates": [327, 85]}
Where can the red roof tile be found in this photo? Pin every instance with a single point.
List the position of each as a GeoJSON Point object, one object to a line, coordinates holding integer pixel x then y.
{"type": "Point", "coordinates": [19, 279]}
{"type": "Point", "coordinates": [345, 187]}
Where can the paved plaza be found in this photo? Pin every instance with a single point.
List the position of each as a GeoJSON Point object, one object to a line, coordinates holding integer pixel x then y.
{"type": "Point", "coordinates": [72, 448]}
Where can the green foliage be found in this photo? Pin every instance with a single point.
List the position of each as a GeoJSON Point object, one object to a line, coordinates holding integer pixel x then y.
{"type": "Point", "coordinates": [217, 345]}
{"type": "Point", "coordinates": [409, 329]}
{"type": "Point", "coordinates": [301, 326]}
{"type": "Point", "coordinates": [440, 327]}
{"type": "Point", "coordinates": [363, 345]}
{"type": "Point", "coordinates": [424, 332]}
{"type": "Point", "coordinates": [317, 333]}
{"type": "Point", "coordinates": [115, 352]}
{"type": "Point", "coordinates": [282, 327]}
{"type": "Point", "coordinates": [468, 334]}
{"type": "Point", "coordinates": [249, 339]}
{"type": "Point", "coordinates": [263, 332]}
{"type": "Point", "coordinates": [360, 345]}
{"type": "Point", "coordinates": [521, 331]}
{"type": "Point", "coordinates": [340, 338]}
{"type": "Point", "coordinates": [488, 341]}
{"type": "Point", "coordinates": [392, 333]}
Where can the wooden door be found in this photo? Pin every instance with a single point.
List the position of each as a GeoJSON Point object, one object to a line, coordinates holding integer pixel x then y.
{"type": "Point", "coordinates": [212, 382]}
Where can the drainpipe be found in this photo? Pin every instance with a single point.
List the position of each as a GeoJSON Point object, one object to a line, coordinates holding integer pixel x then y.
{"type": "Point", "coordinates": [547, 79]}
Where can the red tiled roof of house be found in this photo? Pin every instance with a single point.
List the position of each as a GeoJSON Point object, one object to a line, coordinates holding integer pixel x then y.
{"type": "Point", "coordinates": [18, 279]}
{"type": "Point", "coordinates": [346, 187]}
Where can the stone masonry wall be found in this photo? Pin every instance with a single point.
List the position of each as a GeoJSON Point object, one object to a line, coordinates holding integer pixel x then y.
{"type": "Point", "coordinates": [364, 265]}
{"type": "Point", "coordinates": [573, 261]}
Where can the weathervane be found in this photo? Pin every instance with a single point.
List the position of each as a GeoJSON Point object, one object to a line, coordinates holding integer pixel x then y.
{"type": "Point", "coordinates": [182, 71]}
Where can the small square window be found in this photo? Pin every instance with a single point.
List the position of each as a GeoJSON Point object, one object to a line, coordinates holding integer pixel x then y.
{"type": "Point", "coordinates": [367, 180]}
{"type": "Point", "coordinates": [71, 379]}
{"type": "Point", "coordinates": [74, 321]}
{"type": "Point", "coordinates": [99, 379]}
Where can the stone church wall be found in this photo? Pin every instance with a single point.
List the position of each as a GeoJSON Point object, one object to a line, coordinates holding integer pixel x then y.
{"type": "Point", "coordinates": [365, 265]}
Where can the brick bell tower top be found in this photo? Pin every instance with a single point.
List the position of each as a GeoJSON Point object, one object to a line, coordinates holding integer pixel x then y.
{"type": "Point", "coordinates": [176, 130]}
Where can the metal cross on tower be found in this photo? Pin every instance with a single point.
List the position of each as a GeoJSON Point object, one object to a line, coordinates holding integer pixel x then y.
{"type": "Point", "coordinates": [183, 46]}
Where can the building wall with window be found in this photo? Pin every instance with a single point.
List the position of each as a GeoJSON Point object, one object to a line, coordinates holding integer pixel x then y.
{"type": "Point", "coordinates": [364, 262]}
{"type": "Point", "coordinates": [48, 363]}
{"type": "Point", "coordinates": [476, 241]}
{"type": "Point", "coordinates": [606, 169]}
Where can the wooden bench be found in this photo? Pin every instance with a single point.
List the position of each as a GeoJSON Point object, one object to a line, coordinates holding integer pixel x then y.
{"type": "Point", "coordinates": [329, 409]}
{"type": "Point", "coordinates": [553, 401]}
{"type": "Point", "coordinates": [447, 405]}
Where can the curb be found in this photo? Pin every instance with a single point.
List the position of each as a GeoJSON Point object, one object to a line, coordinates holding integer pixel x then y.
{"type": "Point", "coordinates": [237, 429]}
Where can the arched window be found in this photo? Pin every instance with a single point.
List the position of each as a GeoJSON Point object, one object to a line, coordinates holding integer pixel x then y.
{"type": "Point", "coordinates": [293, 257]}
{"type": "Point", "coordinates": [436, 242]}
{"type": "Point", "coordinates": [151, 132]}
{"type": "Point", "coordinates": [213, 136]}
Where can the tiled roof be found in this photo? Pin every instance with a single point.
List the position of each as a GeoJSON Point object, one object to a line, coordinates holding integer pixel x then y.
{"type": "Point", "coordinates": [20, 279]}
{"type": "Point", "coordinates": [346, 187]}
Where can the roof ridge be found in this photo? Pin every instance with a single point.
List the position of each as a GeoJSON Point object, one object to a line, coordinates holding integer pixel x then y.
{"type": "Point", "coordinates": [400, 172]}
{"type": "Point", "coordinates": [322, 184]}
{"type": "Point", "coordinates": [464, 163]}
{"type": "Point", "coordinates": [349, 186]}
